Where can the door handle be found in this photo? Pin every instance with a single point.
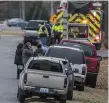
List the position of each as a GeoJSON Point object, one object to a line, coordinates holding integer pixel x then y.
{"type": "Point", "coordinates": [45, 76]}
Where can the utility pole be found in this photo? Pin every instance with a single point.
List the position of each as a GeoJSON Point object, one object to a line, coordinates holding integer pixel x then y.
{"type": "Point", "coordinates": [52, 9]}
{"type": "Point", "coordinates": [23, 9]}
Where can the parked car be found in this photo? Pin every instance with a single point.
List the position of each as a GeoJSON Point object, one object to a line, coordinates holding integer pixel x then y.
{"type": "Point", "coordinates": [76, 58]}
{"type": "Point", "coordinates": [31, 31]}
{"type": "Point", "coordinates": [46, 77]}
{"type": "Point", "coordinates": [91, 56]}
{"type": "Point", "coordinates": [17, 22]}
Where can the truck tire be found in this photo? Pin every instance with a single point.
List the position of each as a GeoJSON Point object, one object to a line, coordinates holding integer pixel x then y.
{"type": "Point", "coordinates": [62, 101]}
{"type": "Point", "coordinates": [80, 88]}
{"type": "Point", "coordinates": [70, 92]}
{"type": "Point", "coordinates": [20, 96]}
{"type": "Point", "coordinates": [93, 82]}
{"type": "Point", "coordinates": [70, 95]}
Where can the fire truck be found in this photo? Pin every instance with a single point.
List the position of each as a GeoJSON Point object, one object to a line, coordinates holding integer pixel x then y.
{"type": "Point", "coordinates": [87, 20]}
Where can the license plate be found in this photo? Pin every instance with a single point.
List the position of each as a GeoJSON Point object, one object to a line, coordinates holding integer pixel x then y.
{"type": "Point", "coordinates": [44, 90]}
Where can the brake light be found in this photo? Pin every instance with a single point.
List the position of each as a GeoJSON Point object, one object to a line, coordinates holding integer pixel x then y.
{"type": "Point", "coordinates": [83, 70]}
{"type": "Point", "coordinates": [65, 82]}
{"type": "Point", "coordinates": [25, 78]}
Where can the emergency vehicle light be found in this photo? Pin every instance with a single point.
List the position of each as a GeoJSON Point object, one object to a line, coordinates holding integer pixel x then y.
{"type": "Point", "coordinates": [94, 13]}
{"type": "Point", "coordinates": [85, 21]}
{"type": "Point", "coordinates": [97, 38]}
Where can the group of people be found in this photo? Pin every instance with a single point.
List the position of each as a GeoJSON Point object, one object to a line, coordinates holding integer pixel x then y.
{"type": "Point", "coordinates": [51, 34]}
{"type": "Point", "coordinates": [48, 35]}
{"type": "Point", "coordinates": [24, 52]}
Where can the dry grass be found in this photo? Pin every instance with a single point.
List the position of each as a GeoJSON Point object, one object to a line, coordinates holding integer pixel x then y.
{"type": "Point", "coordinates": [98, 94]}
{"type": "Point", "coordinates": [102, 82]}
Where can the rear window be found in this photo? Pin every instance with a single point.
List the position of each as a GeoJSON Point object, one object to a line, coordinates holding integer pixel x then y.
{"type": "Point", "coordinates": [46, 66]}
{"type": "Point", "coordinates": [33, 24]}
{"type": "Point", "coordinates": [74, 56]}
{"type": "Point", "coordinates": [88, 50]}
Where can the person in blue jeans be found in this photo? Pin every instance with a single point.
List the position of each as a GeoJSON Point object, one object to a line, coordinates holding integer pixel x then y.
{"type": "Point", "coordinates": [43, 34]}
{"type": "Point", "coordinates": [48, 26]}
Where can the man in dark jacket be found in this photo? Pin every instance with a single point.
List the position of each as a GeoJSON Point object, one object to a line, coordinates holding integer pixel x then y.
{"type": "Point", "coordinates": [27, 53]}
{"type": "Point", "coordinates": [39, 51]}
{"type": "Point", "coordinates": [18, 59]}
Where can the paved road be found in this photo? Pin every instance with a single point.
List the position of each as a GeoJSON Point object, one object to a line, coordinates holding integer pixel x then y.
{"type": "Point", "coordinates": [8, 82]}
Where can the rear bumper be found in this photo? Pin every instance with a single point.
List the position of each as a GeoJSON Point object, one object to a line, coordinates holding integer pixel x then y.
{"type": "Point", "coordinates": [36, 91]}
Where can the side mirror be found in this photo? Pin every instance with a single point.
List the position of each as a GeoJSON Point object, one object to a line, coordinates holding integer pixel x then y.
{"type": "Point", "coordinates": [100, 58]}
{"type": "Point", "coordinates": [88, 61]}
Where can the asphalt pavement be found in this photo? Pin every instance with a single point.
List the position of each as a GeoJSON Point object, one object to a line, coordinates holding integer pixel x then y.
{"type": "Point", "coordinates": [8, 81]}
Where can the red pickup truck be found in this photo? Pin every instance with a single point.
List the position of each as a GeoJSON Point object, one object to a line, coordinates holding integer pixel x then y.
{"type": "Point", "coordinates": [91, 57]}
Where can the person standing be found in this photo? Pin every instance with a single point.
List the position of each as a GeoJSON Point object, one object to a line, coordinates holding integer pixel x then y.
{"type": "Point", "coordinates": [39, 51]}
{"type": "Point", "coordinates": [18, 59]}
{"type": "Point", "coordinates": [49, 33]}
{"type": "Point", "coordinates": [27, 53]}
{"type": "Point", "coordinates": [43, 34]}
{"type": "Point", "coordinates": [57, 30]}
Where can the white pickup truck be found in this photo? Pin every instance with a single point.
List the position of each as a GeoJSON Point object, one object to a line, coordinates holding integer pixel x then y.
{"type": "Point", "coordinates": [46, 77]}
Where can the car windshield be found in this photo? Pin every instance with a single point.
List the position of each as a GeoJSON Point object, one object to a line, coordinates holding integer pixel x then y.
{"type": "Point", "coordinates": [88, 50]}
{"type": "Point", "coordinates": [46, 66]}
{"type": "Point", "coordinates": [74, 56]}
{"type": "Point", "coordinates": [33, 25]}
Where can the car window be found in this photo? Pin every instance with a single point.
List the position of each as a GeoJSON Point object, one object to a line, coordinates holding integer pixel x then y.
{"type": "Point", "coordinates": [74, 56]}
{"type": "Point", "coordinates": [88, 50]}
{"type": "Point", "coordinates": [48, 66]}
{"type": "Point", "coordinates": [32, 24]}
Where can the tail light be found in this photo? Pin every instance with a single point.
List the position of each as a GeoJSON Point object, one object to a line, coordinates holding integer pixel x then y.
{"type": "Point", "coordinates": [83, 70]}
{"type": "Point", "coordinates": [25, 78]}
{"type": "Point", "coordinates": [65, 82]}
